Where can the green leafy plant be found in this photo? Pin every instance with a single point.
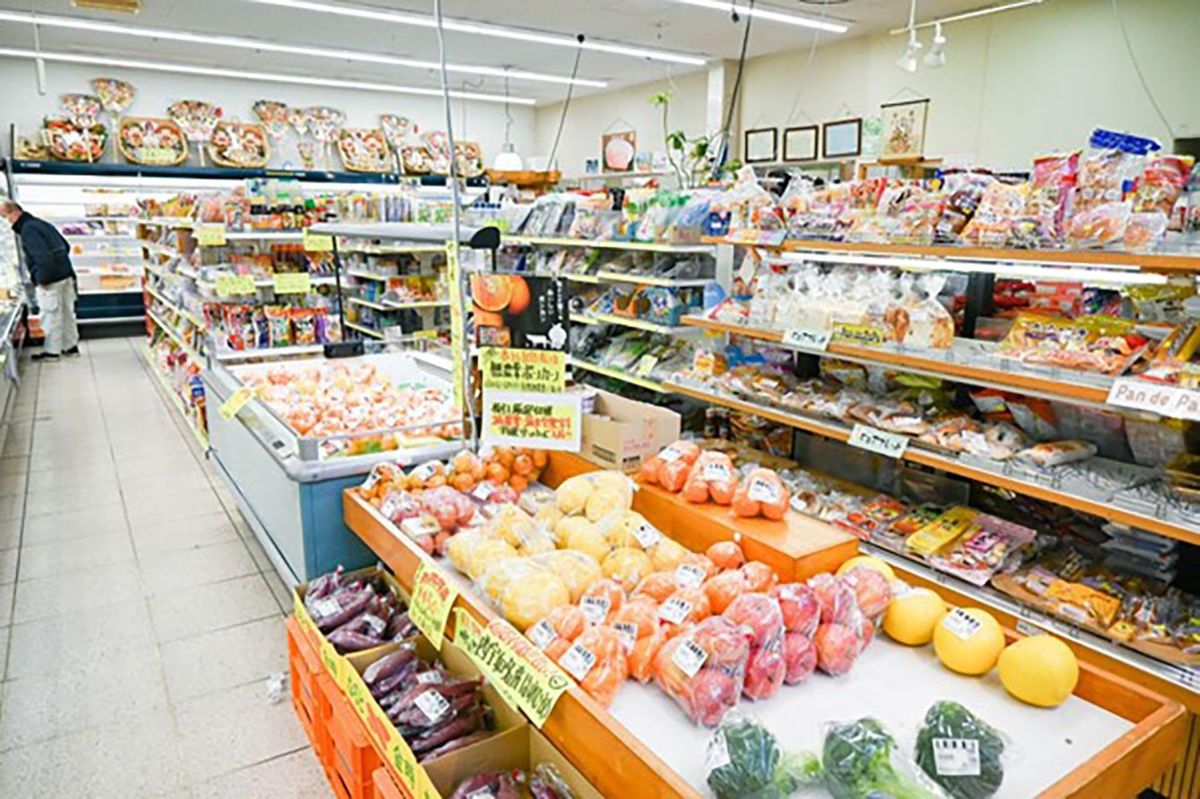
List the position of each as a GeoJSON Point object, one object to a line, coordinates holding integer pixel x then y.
{"type": "Point", "coordinates": [953, 721]}
{"type": "Point", "coordinates": [691, 158]}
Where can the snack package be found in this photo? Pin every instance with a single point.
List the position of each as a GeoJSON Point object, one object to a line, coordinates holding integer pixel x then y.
{"type": "Point", "coordinates": [279, 322]}
{"type": "Point", "coordinates": [1094, 343]}
{"type": "Point", "coordinates": [1106, 175]}
{"type": "Point", "coordinates": [597, 661]}
{"type": "Point", "coordinates": [1050, 186]}
{"type": "Point", "coordinates": [711, 478]}
{"type": "Point", "coordinates": [964, 192]}
{"type": "Point", "coordinates": [1057, 453]}
{"type": "Point", "coordinates": [304, 326]}
{"type": "Point", "coordinates": [761, 493]}
{"type": "Point", "coordinates": [761, 616]}
{"type": "Point", "coordinates": [704, 669]}
{"type": "Point", "coordinates": [1100, 225]}
{"type": "Point", "coordinates": [1145, 231]}
{"type": "Point", "coordinates": [1000, 206]}
{"type": "Point", "coordinates": [861, 761]}
{"type": "Point", "coordinates": [1161, 184]}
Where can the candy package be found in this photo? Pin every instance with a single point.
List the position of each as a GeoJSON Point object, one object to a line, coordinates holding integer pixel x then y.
{"type": "Point", "coordinates": [1106, 175]}
{"type": "Point", "coordinates": [1050, 186]}
{"type": "Point", "coordinates": [1001, 205]}
{"type": "Point", "coordinates": [279, 323]}
{"type": "Point", "coordinates": [964, 192]}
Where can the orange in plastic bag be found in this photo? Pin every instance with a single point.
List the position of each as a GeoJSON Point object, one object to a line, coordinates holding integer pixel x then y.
{"type": "Point", "coordinates": [669, 468]}
{"type": "Point", "coordinates": [724, 588]}
{"type": "Point", "coordinates": [641, 658]}
{"type": "Point", "coordinates": [726, 555]}
{"type": "Point", "coordinates": [694, 562]}
{"type": "Point", "coordinates": [657, 586]}
{"type": "Point", "coordinates": [601, 601]}
{"type": "Point", "coordinates": [712, 478]}
{"type": "Point", "coordinates": [568, 621]}
{"type": "Point", "coordinates": [685, 605]}
{"type": "Point", "coordinates": [608, 668]}
{"type": "Point", "coordinates": [640, 614]}
{"type": "Point", "coordinates": [761, 493]}
{"type": "Point", "coordinates": [760, 577]}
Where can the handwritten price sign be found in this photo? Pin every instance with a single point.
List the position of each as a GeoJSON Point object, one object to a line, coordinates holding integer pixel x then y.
{"type": "Point", "coordinates": [432, 598]}
{"type": "Point", "coordinates": [805, 339]}
{"type": "Point", "coordinates": [889, 445]}
{"type": "Point", "coordinates": [519, 419]}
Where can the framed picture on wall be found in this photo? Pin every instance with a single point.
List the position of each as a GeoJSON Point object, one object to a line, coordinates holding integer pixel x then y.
{"type": "Point", "coordinates": [618, 150]}
{"type": "Point", "coordinates": [800, 144]}
{"type": "Point", "coordinates": [762, 145]}
{"type": "Point", "coordinates": [841, 139]}
{"type": "Point", "coordinates": [903, 134]}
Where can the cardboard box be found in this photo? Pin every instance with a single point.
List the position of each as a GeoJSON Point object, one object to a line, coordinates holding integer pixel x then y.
{"type": "Point", "coordinates": [308, 627]}
{"type": "Point", "coordinates": [521, 748]}
{"type": "Point", "coordinates": [620, 433]}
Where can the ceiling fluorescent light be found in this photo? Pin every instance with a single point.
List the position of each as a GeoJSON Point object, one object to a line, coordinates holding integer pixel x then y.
{"type": "Point", "coordinates": [768, 14]}
{"type": "Point", "coordinates": [480, 29]}
{"type": "Point", "coordinates": [218, 40]}
{"type": "Point", "coordinates": [979, 12]}
{"type": "Point", "coordinates": [266, 77]}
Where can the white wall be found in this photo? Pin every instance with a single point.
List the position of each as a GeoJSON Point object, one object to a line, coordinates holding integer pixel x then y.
{"type": "Point", "coordinates": [20, 102]}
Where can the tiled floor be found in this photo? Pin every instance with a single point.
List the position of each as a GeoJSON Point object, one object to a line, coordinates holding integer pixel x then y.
{"type": "Point", "coordinates": [137, 628]}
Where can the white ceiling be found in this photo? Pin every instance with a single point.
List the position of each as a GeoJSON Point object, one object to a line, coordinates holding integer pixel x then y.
{"type": "Point", "coordinates": [660, 24]}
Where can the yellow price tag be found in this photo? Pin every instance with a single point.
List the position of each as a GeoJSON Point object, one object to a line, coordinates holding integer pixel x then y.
{"type": "Point", "coordinates": [859, 335]}
{"type": "Point", "coordinates": [317, 242]}
{"type": "Point", "coordinates": [235, 285]}
{"type": "Point", "coordinates": [645, 365]}
{"type": "Point", "coordinates": [292, 283]}
{"type": "Point", "coordinates": [457, 344]}
{"type": "Point", "coordinates": [210, 235]}
{"type": "Point", "coordinates": [237, 400]}
{"type": "Point", "coordinates": [432, 598]}
{"type": "Point", "coordinates": [425, 334]}
{"type": "Point", "coordinates": [538, 371]}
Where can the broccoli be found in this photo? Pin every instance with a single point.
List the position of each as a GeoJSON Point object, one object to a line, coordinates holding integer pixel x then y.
{"type": "Point", "coordinates": [952, 720]}
{"type": "Point", "coordinates": [857, 759]}
{"type": "Point", "coordinates": [751, 765]}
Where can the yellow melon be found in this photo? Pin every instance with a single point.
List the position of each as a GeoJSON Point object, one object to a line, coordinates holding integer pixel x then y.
{"type": "Point", "coordinates": [871, 563]}
{"type": "Point", "coordinates": [911, 617]}
{"type": "Point", "coordinates": [1040, 670]}
{"type": "Point", "coordinates": [968, 640]}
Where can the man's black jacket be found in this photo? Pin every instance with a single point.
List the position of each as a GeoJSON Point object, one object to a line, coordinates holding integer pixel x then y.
{"type": "Point", "coordinates": [47, 254]}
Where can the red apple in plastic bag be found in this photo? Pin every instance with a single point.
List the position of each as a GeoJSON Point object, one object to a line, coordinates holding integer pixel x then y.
{"type": "Point", "coordinates": [760, 614]}
{"type": "Point", "coordinates": [801, 612]}
{"type": "Point", "coordinates": [838, 603]}
{"type": "Point", "coordinates": [871, 589]}
{"type": "Point", "coordinates": [799, 656]}
{"type": "Point", "coordinates": [765, 671]}
{"type": "Point", "coordinates": [837, 647]}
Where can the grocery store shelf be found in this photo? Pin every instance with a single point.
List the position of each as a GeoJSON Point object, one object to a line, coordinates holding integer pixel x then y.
{"type": "Point", "coordinates": [264, 235]}
{"type": "Point", "coordinates": [159, 249]}
{"type": "Point", "coordinates": [1013, 377]}
{"type": "Point", "coordinates": [233, 356]}
{"type": "Point", "coordinates": [394, 249]}
{"type": "Point", "coordinates": [111, 320]}
{"type": "Point", "coordinates": [617, 374]}
{"type": "Point", "coordinates": [1155, 262]}
{"type": "Point", "coordinates": [613, 319]}
{"type": "Point", "coordinates": [641, 246]}
{"type": "Point", "coordinates": [102, 237]}
{"type": "Point", "coordinates": [184, 312]}
{"type": "Point", "coordinates": [361, 275]}
{"type": "Point", "coordinates": [1028, 486]}
{"type": "Point", "coordinates": [378, 306]}
{"type": "Point", "coordinates": [166, 221]}
{"type": "Point", "coordinates": [398, 306]}
{"type": "Point", "coordinates": [151, 365]}
{"type": "Point", "coordinates": [366, 331]}
{"type": "Point", "coordinates": [174, 336]}
{"type": "Point", "coordinates": [653, 280]}
{"type": "Point", "coordinates": [582, 278]}
{"type": "Point", "coordinates": [94, 292]}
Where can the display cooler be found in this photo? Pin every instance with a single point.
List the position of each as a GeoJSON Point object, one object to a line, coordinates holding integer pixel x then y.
{"type": "Point", "coordinates": [11, 335]}
{"type": "Point", "coordinates": [288, 485]}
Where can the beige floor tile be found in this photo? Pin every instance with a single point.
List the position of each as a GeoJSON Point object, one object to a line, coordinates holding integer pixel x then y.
{"type": "Point", "coordinates": [185, 568]}
{"type": "Point", "coordinates": [171, 535]}
{"type": "Point", "coordinates": [297, 776]}
{"type": "Point", "coordinates": [7, 592]}
{"type": "Point", "coordinates": [80, 496]}
{"type": "Point", "coordinates": [67, 458]}
{"type": "Point", "coordinates": [224, 659]}
{"type": "Point", "coordinates": [14, 465]}
{"type": "Point", "coordinates": [12, 507]}
{"type": "Point", "coordinates": [180, 504]}
{"type": "Point", "coordinates": [68, 557]}
{"type": "Point", "coordinates": [10, 534]}
{"type": "Point", "coordinates": [222, 732]}
{"type": "Point", "coordinates": [138, 491]}
{"type": "Point", "coordinates": [12, 484]}
{"type": "Point", "coordinates": [65, 698]}
{"type": "Point", "coordinates": [63, 479]}
{"type": "Point", "coordinates": [94, 588]}
{"type": "Point", "coordinates": [8, 565]}
{"type": "Point", "coordinates": [134, 468]}
{"type": "Point", "coordinates": [211, 607]}
{"type": "Point", "coordinates": [279, 590]}
{"type": "Point", "coordinates": [74, 525]}
{"type": "Point", "coordinates": [91, 635]}
{"type": "Point", "coordinates": [126, 759]}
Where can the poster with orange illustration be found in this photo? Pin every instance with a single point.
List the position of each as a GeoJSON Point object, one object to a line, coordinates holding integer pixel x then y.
{"type": "Point", "coordinates": [518, 311]}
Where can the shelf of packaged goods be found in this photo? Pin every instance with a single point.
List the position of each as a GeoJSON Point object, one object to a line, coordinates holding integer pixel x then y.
{"type": "Point", "coordinates": [617, 374]}
{"type": "Point", "coordinates": [589, 279]}
{"type": "Point", "coordinates": [641, 246]}
{"type": "Point", "coordinates": [184, 312]}
{"type": "Point", "coordinates": [97, 292]}
{"type": "Point", "coordinates": [264, 235]}
{"type": "Point", "coordinates": [200, 435]}
{"type": "Point", "coordinates": [155, 270]}
{"type": "Point", "coordinates": [1007, 378]}
{"type": "Point", "coordinates": [653, 280]}
{"type": "Point", "coordinates": [174, 336]}
{"type": "Point", "coordinates": [366, 331]}
{"type": "Point", "coordinates": [234, 356]}
{"type": "Point", "coordinates": [1102, 507]}
{"type": "Point", "coordinates": [159, 249]}
{"type": "Point", "coordinates": [80, 238]}
{"type": "Point", "coordinates": [415, 305]}
{"type": "Point", "coordinates": [166, 221]}
{"type": "Point", "coordinates": [1188, 261]}
{"type": "Point", "coordinates": [361, 275]}
{"type": "Point", "coordinates": [378, 306]}
{"type": "Point", "coordinates": [1179, 682]}
{"type": "Point", "coordinates": [613, 319]}
{"type": "Point", "coordinates": [394, 249]}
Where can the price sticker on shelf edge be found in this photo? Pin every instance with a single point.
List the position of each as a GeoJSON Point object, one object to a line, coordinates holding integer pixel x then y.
{"type": "Point", "coordinates": [317, 242]}
{"type": "Point", "coordinates": [237, 400]}
{"type": "Point", "coordinates": [210, 235]}
{"type": "Point", "coordinates": [522, 419]}
{"type": "Point", "coordinates": [806, 339]}
{"type": "Point", "coordinates": [881, 442]}
{"type": "Point", "coordinates": [689, 656]}
{"type": "Point", "coordinates": [292, 283]}
{"type": "Point", "coordinates": [235, 285]}
{"type": "Point", "coordinates": [536, 371]}
{"type": "Point", "coordinates": [521, 673]}
{"type": "Point", "coordinates": [432, 598]}
{"type": "Point", "coordinates": [1142, 395]}
{"type": "Point", "coordinates": [956, 757]}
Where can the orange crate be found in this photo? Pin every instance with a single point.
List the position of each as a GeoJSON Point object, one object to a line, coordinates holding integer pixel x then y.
{"type": "Point", "coordinates": [352, 759]}
{"type": "Point", "coordinates": [304, 667]}
{"type": "Point", "coordinates": [386, 786]}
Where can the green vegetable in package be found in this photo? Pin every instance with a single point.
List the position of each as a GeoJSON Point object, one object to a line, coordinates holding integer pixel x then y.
{"type": "Point", "coordinates": [960, 752]}
{"type": "Point", "coordinates": [860, 763]}
{"type": "Point", "coordinates": [745, 762]}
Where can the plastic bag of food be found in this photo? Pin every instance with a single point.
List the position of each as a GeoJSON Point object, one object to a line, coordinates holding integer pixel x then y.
{"type": "Point", "coordinates": [520, 531]}
{"type": "Point", "coordinates": [704, 669]}
{"type": "Point", "coordinates": [585, 536]}
{"type": "Point", "coordinates": [860, 761]}
{"type": "Point", "coordinates": [693, 569]}
{"type": "Point", "coordinates": [1057, 453]}
{"type": "Point", "coordinates": [1113, 161]}
{"type": "Point", "coordinates": [633, 530]}
{"type": "Point", "coordinates": [577, 569]}
{"type": "Point", "coordinates": [726, 555]}
{"type": "Point", "coordinates": [684, 606]}
{"type": "Point", "coordinates": [712, 477]}
{"type": "Point", "coordinates": [495, 784]}
{"type": "Point", "coordinates": [964, 192]}
{"type": "Point", "coordinates": [838, 645]}
{"type": "Point", "coordinates": [744, 761]}
{"type": "Point", "coordinates": [546, 783]}
{"type": "Point", "coordinates": [1050, 185]}
{"type": "Point", "coordinates": [658, 469]}
{"type": "Point", "coordinates": [627, 565]}
{"type": "Point", "coordinates": [725, 587]}
{"type": "Point", "coordinates": [601, 601]}
{"type": "Point", "coordinates": [596, 494]}
{"type": "Point", "coordinates": [761, 493]}
{"type": "Point", "coordinates": [801, 611]}
{"type": "Point", "coordinates": [555, 631]}
{"type": "Point", "coordinates": [451, 508]}
{"type": "Point", "coordinates": [597, 661]}
{"type": "Point", "coordinates": [524, 591]}
{"type": "Point", "coordinates": [760, 615]}
{"type": "Point", "coordinates": [656, 586]}
{"type": "Point", "coordinates": [835, 598]}
{"type": "Point", "coordinates": [1100, 225]}
{"type": "Point", "coordinates": [799, 657]}
{"type": "Point", "coordinates": [760, 577]}
{"type": "Point", "coordinates": [472, 551]}
{"type": "Point", "coordinates": [960, 752]}
{"type": "Point", "coordinates": [1001, 204]}
{"type": "Point", "coordinates": [666, 554]}
{"type": "Point", "coordinates": [871, 589]}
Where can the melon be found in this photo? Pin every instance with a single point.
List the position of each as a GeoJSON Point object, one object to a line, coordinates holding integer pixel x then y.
{"type": "Point", "coordinates": [870, 562]}
{"type": "Point", "coordinates": [968, 641]}
{"type": "Point", "coordinates": [1039, 670]}
{"type": "Point", "coordinates": [911, 617]}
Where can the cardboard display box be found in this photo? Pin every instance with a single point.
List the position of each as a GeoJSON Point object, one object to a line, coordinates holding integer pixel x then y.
{"type": "Point", "coordinates": [620, 432]}
{"type": "Point", "coordinates": [524, 749]}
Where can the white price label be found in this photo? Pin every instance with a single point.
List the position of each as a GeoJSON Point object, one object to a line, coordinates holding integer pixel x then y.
{"type": "Point", "coordinates": [376, 624]}
{"type": "Point", "coordinates": [389, 506]}
{"type": "Point", "coordinates": [747, 269]}
{"type": "Point", "coordinates": [627, 632]}
{"type": "Point", "coordinates": [716, 752]}
{"type": "Point", "coordinates": [689, 576]}
{"type": "Point", "coordinates": [542, 634]}
{"type": "Point", "coordinates": [956, 757]}
{"type": "Point", "coordinates": [482, 793]}
{"type": "Point", "coordinates": [420, 526]}
{"type": "Point", "coordinates": [483, 492]}
{"type": "Point", "coordinates": [807, 339]}
{"type": "Point", "coordinates": [424, 471]}
{"type": "Point", "coordinates": [670, 453]}
{"type": "Point", "coordinates": [321, 608]}
{"type": "Point", "coordinates": [432, 704]}
{"type": "Point", "coordinates": [689, 656]}
{"type": "Point", "coordinates": [1166, 400]}
{"type": "Point", "coordinates": [595, 608]}
{"type": "Point", "coordinates": [372, 479]}
{"type": "Point", "coordinates": [881, 442]}
{"type": "Point", "coordinates": [717, 471]}
{"type": "Point", "coordinates": [961, 623]}
{"type": "Point", "coordinates": [763, 490]}
{"type": "Point", "coordinates": [675, 610]}
{"type": "Point", "coordinates": [646, 535]}
{"type": "Point", "coordinates": [1025, 628]}
{"type": "Point", "coordinates": [578, 660]}
{"type": "Point", "coordinates": [431, 677]}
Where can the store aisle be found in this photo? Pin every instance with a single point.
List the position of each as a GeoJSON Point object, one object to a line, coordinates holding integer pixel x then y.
{"type": "Point", "coordinates": [137, 626]}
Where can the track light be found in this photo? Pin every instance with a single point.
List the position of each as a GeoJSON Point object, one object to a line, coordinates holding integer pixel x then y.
{"type": "Point", "coordinates": [908, 61]}
{"type": "Point", "coordinates": [936, 57]}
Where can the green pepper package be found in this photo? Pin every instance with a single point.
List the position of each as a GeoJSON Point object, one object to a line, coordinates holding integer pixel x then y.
{"type": "Point", "coordinates": [960, 752]}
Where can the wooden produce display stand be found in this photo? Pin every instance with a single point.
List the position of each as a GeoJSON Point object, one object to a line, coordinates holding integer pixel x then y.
{"type": "Point", "coordinates": [619, 763]}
